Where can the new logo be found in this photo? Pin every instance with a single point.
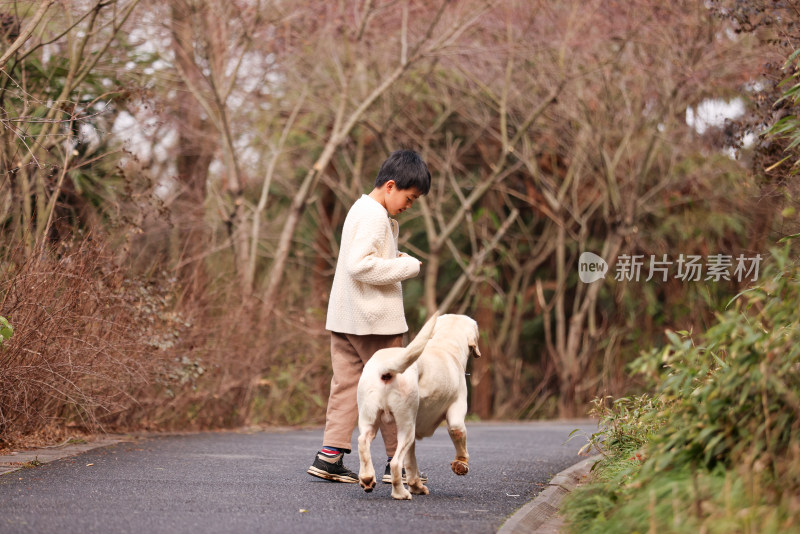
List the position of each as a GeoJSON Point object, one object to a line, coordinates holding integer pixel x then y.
{"type": "Point", "coordinates": [591, 267]}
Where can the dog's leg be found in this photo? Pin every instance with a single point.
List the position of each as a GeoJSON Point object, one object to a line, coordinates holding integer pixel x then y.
{"type": "Point", "coordinates": [368, 427]}
{"type": "Point", "coordinates": [405, 439]}
{"type": "Point", "coordinates": [415, 485]}
{"type": "Point", "coordinates": [458, 434]}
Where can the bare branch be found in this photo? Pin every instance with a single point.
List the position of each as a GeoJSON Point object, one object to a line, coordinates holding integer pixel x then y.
{"type": "Point", "coordinates": [44, 5]}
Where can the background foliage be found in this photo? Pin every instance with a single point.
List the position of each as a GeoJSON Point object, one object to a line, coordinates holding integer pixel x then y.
{"type": "Point", "coordinates": [174, 177]}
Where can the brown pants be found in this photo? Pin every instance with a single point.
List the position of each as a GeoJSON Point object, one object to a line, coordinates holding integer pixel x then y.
{"type": "Point", "coordinates": [349, 353]}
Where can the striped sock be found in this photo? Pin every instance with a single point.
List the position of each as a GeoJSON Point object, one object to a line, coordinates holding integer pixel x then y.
{"type": "Point", "coordinates": [331, 451]}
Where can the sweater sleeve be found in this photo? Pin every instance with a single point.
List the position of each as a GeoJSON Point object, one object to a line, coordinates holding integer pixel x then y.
{"type": "Point", "coordinates": [364, 261]}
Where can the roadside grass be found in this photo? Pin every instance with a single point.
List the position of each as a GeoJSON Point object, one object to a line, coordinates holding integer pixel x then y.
{"type": "Point", "coordinates": [716, 448]}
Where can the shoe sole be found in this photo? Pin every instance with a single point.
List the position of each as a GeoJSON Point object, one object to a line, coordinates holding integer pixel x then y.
{"type": "Point", "coordinates": [330, 476]}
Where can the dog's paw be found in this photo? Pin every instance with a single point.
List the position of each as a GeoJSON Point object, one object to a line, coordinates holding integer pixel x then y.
{"type": "Point", "coordinates": [460, 468]}
{"type": "Point", "coordinates": [368, 484]}
{"type": "Point", "coordinates": [403, 495]}
{"type": "Point", "coordinates": [419, 490]}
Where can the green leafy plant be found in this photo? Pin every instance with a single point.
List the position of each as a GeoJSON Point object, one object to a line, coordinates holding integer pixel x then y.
{"type": "Point", "coordinates": [735, 394]}
{"type": "Point", "coordinates": [626, 426]}
{"type": "Point", "coordinates": [6, 330]}
{"type": "Point", "coordinates": [788, 127]}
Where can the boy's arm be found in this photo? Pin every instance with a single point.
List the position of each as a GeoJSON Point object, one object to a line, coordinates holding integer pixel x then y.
{"type": "Point", "coordinates": [365, 264]}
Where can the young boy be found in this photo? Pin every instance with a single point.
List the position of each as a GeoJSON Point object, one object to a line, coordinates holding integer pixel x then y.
{"type": "Point", "coordinates": [365, 312]}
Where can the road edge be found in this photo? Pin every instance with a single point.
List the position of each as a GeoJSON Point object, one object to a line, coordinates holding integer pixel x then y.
{"type": "Point", "coordinates": [540, 515]}
{"type": "Point", "coordinates": [24, 459]}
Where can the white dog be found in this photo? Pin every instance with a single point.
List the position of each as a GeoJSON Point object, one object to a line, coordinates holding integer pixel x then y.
{"type": "Point", "coordinates": [419, 387]}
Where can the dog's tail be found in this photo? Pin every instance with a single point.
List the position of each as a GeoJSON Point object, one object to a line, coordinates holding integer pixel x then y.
{"type": "Point", "coordinates": [406, 358]}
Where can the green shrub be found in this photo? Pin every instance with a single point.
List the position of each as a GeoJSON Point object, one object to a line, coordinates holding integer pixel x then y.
{"type": "Point", "coordinates": [735, 395]}
{"type": "Point", "coordinates": [719, 443]}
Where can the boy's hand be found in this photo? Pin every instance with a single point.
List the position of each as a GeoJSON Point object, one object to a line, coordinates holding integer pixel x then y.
{"type": "Point", "coordinates": [403, 254]}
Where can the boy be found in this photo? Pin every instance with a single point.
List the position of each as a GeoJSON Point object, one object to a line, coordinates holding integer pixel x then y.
{"type": "Point", "coordinates": [365, 311]}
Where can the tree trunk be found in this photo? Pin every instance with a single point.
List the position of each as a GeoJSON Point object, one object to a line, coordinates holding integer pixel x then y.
{"type": "Point", "coordinates": [194, 155]}
{"type": "Point", "coordinates": [481, 379]}
{"type": "Point", "coordinates": [575, 352]}
{"type": "Point", "coordinates": [320, 282]}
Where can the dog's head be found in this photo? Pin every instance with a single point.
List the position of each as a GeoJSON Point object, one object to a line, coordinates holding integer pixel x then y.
{"type": "Point", "coordinates": [464, 325]}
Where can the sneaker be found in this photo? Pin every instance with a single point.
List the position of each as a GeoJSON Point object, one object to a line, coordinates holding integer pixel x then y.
{"type": "Point", "coordinates": [332, 469]}
{"type": "Point", "coordinates": [387, 475]}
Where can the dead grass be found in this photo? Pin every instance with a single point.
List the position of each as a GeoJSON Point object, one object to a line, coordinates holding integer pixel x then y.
{"type": "Point", "coordinates": [97, 350]}
{"type": "Point", "coordinates": [81, 338]}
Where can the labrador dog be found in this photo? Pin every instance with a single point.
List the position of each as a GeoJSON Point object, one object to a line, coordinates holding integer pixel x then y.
{"type": "Point", "coordinates": [419, 387]}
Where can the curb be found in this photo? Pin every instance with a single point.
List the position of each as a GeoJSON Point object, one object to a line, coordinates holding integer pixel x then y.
{"type": "Point", "coordinates": [540, 515]}
{"type": "Point", "coordinates": [17, 460]}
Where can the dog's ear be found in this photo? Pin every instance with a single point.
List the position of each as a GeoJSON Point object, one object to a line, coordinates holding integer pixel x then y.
{"type": "Point", "coordinates": [473, 344]}
{"type": "Point", "coordinates": [473, 348]}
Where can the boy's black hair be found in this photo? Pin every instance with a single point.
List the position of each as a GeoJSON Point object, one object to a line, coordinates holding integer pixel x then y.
{"type": "Point", "coordinates": [407, 169]}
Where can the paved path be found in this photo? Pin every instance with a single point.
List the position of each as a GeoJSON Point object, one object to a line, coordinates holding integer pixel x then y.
{"type": "Point", "coordinates": [256, 482]}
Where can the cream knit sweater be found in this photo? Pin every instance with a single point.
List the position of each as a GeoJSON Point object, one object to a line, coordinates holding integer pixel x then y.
{"type": "Point", "coordinates": [366, 297]}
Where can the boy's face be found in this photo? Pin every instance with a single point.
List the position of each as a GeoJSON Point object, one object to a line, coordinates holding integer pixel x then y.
{"type": "Point", "coordinates": [399, 200]}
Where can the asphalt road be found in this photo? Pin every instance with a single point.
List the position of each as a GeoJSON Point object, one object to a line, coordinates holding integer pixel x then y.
{"type": "Point", "coordinates": [256, 482]}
